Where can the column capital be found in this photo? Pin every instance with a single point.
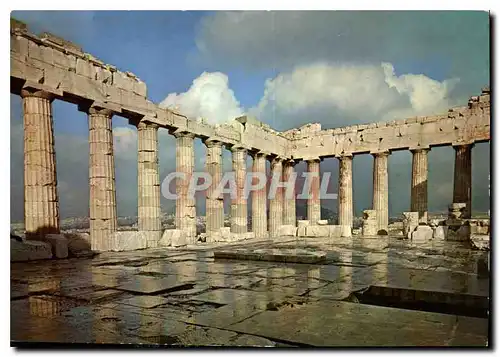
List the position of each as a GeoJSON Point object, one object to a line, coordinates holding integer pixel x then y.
{"type": "Point", "coordinates": [344, 157]}
{"type": "Point", "coordinates": [211, 143]}
{"type": "Point", "coordinates": [314, 159]}
{"type": "Point", "coordinates": [238, 148]}
{"type": "Point", "coordinates": [415, 150]}
{"type": "Point", "coordinates": [177, 133]}
{"type": "Point", "coordinates": [460, 146]}
{"type": "Point", "coordinates": [290, 162]}
{"type": "Point", "coordinates": [380, 153]}
{"type": "Point", "coordinates": [35, 93]}
{"type": "Point", "coordinates": [146, 125]}
{"type": "Point", "coordinates": [260, 153]}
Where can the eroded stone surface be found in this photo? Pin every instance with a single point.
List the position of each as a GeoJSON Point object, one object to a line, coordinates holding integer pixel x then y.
{"type": "Point", "coordinates": [29, 250]}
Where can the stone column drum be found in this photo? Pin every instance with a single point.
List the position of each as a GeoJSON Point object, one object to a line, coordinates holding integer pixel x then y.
{"type": "Point", "coordinates": [313, 200]}
{"type": "Point", "coordinates": [345, 195]}
{"type": "Point", "coordinates": [239, 220]}
{"type": "Point", "coordinates": [215, 201]}
{"type": "Point", "coordinates": [381, 189]}
{"type": "Point", "coordinates": [462, 182]}
{"type": "Point", "coordinates": [289, 196]}
{"type": "Point", "coordinates": [148, 177]}
{"type": "Point", "coordinates": [419, 183]}
{"type": "Point", "coordinates": [103, 220]}
{"type": "Point", "coordinates": [259, 199]}
{"type": "Point", "coordinates": [41, 204]}
{"type": "Point", "coordinates": [276, 202]}
{"type": "Point", "coordinates": [185, 206]}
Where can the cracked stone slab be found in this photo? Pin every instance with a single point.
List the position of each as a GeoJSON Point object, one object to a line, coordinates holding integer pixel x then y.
{"type": "Point", "coordinates": [349, 324]}
{"type": "Point", "coordinates": [146, 302]}
{"type": "Point", "coordinates": [148, 285]}
{"type": "Point", "coordinates": [273, 255]}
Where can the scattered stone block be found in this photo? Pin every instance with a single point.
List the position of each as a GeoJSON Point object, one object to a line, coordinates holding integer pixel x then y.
{"type": "Point", "coordinates": [79, 244]}
{"type": "Point", "coordinates": [174, 238]}
{"type": "Point", "coordinates": [458, 233]}
{"type": "Point", "coordinates": [128, 240]}
{"type": "Point", "coordinates": [302, 223]}
{"type": "Point", "coordinates": [29, 250]}
{"type": "Point", "coordinates": [335, 230]}
{"type": "Point", "coordinates": [483, 267]}
{"type": "Point", "coordinates": [370, 224]}
{"type": "Point", "coordinates": [226, 234]}
{"type": "Point", "coordinates": [288, 231]}
{"type": "Point", "coordinates": [322, 222]}
{"type": "Point", "coordinates": [274, 255]}
{"type": "Point", "coordinates": [410, 223]}
{"type": "Point", "coordinates": [422, 234]}
{"type": "Point", "coordinates": [439, 232]}
{"type": "Point", "coordinates": [59, 244]}
{"type": "Point", "coordinates": [317, 231]}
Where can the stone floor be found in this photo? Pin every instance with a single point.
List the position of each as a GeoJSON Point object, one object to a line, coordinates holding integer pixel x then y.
{"type": "Point", "coordinates": [187, 297]}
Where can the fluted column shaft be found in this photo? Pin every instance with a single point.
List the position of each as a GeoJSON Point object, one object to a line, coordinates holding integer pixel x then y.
{"type": "Point", "coordinates": [239, 220]}
{"type": "Point", "coordinates": [289, 207]}
{"type": "Point", "coordinates": [345, 195]}
{"type": "Point", "coordinates": [149, 210]}
{"type": "Point", "coordinates": [215, 202]}
{"type": "Point", "coordinates": [103, 220]}
{"type": "Point", "coordinates": [462, 182]}
{"type": "Point", "coordinates": [185, 206]}
{"type": "Point", "coordinates": [259, 199]}
{"type": "Point", "coordinates": [381, 189]}
{"type": "Point", "coordinates": [419, 183]}
{"type": "Point", "coordinates": [313, 200]}
{"type": "Point", "coordinates": [276, 202]}
{"type": "Point", "coordinates": [41, 203]}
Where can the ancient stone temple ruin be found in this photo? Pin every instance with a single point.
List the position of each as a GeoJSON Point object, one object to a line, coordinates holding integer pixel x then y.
{"type": "Point", "coordinates": [45, 68]}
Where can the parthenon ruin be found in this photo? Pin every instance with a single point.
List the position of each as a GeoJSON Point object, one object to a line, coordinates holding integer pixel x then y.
{"type": "Point", "coordinates": [46, 68]}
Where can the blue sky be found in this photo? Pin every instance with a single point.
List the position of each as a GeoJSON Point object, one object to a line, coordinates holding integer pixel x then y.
{"type": "Point", "coordinates": [286, 68]}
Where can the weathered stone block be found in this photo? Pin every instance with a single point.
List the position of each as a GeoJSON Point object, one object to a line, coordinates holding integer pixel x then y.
{"type": "Point", "coordinates": [322, 222]}
{"type": "Point", "coordinates": [78, 244]}
{"type": "Point", "coordinates": [317, 231]}
{"type": "Point", "coordinates": [458, 233]}
{"type": "Point", "coordinates": [59, 244]}
{"type": "Point", "coordinates": [410, 223]}
{"type": "Point", "coordinates": [225, 234]}
{"type": "Point", "coordinates": [29, 250]}
{"type": "Point", "coordinates": [335, 230]}
{"type": "Point", "coordinates": [422, 234]}
{"type": "Point", "coordinates": [127, 240]}
{"type": "Point", "coordinates": [439, 232]}
{"type": "Point", "coordinates": [302, 223]}
{"type": "Point", "coordinates": [173, 237]}
{"type": "Point", "coordinates": [288, 231]}
{"type": "Point", "coordinates": [483, 266]}
{"type": "Point", "coordinates": [370, 224]}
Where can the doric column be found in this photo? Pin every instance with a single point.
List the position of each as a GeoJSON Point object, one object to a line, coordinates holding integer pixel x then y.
{"type": "Point", "coordinates": [185, 206]}
{"type": "Point", "coordinates": [462, 182]}
{"type": "Point", "coordinates": [419, 183]}
{"type": "Point", "coordinates": [215, 202]}
{"type": "Point", "coordinates": [276, 202]}
{"type": "Point", "coordinates": [289, 211]}
{"type": "Point", "coordinates": [239, 219]}
{"type": "Point", "coordinates": [345, 195]}
{"type": "Point", "coordinates": [41, 203]}
{"type": "Point", "coordinates": [148, 197]}
{"type": "Point", "coordinates": [259, 199]}
{"type": "Point", "coordinates": [103, 221]}
{"type": "Point", "coordinates": [380, 189]}
{"type": "Point", "coordinates": [313, 200]}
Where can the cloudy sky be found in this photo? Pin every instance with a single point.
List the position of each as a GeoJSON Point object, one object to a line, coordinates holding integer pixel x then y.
{"type": "Point", "coordinates": [287, 69]}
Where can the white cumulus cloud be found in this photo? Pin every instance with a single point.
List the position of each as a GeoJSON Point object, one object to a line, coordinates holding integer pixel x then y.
{"type": "Point", "coordinates": [209, 97]}
{"type": "Point", "coordinates": [341, 94]}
